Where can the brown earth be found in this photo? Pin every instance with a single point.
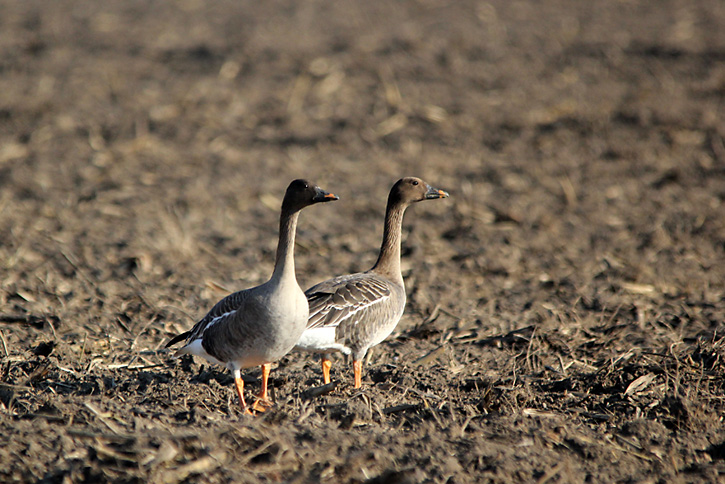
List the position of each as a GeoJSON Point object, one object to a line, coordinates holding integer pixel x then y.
{"type": "Point", "coordinates": [565, 315]}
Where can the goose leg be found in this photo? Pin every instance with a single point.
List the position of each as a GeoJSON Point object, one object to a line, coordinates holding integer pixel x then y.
{"type": "Point", "coordinates": [357, 370]}
{"type": "Point", "coordinates": [239, 385]}
{"type": "Point", "coordinates": [326, 365]}
{"type": "Point", "coordinates": [263, 402]}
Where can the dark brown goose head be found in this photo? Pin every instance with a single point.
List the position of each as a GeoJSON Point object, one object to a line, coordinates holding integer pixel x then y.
{"type": "Point", "coordinates": [302, 193]}
{"type": "Point", "coordinates": [411, 189]}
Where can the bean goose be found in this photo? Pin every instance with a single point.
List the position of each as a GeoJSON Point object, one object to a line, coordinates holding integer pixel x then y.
{"type": "Point", "coordinates": [352, 313]}
{"type": "Point", "coordinates": [259, 325]}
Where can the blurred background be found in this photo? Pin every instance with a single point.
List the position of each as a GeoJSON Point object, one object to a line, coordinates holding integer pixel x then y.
{"type": "Point", "coordinates": [145, 147]}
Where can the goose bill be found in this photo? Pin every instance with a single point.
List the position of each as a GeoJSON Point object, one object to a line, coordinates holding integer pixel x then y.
{"type": "Point", "coordinates": [323, 196]}
{"type": "Point", "coordinates": [433, 193]}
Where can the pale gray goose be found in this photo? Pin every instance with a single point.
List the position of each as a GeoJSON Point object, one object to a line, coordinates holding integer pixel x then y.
{"type": "Point", "coordinates": [352, 313]}
{"type": "Point", "coordinates": [259, 325]}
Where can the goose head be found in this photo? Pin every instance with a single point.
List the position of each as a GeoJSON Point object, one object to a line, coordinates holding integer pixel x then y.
{"type": "Point", "coordinates": [411, 189]}
{"type": "Point", "coordinates": [302, 193]}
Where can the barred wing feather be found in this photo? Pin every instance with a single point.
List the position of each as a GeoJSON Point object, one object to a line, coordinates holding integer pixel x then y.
{"type": "Point", "coordinates": [221, 310]}
{"type": "Point", "coordinates": [346, 298]}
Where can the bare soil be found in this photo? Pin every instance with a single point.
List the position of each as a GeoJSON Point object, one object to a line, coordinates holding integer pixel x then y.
{"type": "Point", "coordinates": [565, 321]}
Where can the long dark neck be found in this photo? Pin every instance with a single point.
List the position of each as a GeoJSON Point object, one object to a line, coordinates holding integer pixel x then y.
{"type": "Point", "coordinates": [284, 264]}
{"type": "Point", "coordinates": [388, 263]}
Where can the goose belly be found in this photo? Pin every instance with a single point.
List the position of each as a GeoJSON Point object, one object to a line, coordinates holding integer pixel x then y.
{"type": "Point", "coordinates": [290, 322]}
{"type": "Point", "coordinates": [380, 332]}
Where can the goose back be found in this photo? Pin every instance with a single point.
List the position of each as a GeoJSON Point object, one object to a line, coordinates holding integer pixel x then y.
{"type": "Point", "coordinates": [363, 309]}
{"type": "Point", "coordinates": [251, 327]}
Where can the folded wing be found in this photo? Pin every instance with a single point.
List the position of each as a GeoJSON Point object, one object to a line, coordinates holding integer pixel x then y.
{"type": "Point", "coordinates": [225, 308]}
{"type": "Point", "coordinates": [346, 299]}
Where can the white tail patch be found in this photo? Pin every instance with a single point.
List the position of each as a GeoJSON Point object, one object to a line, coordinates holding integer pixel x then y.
{"type": "Point", "coordinates": [195, 348]}
{"type": "Point", "coordinates": [318, 340]}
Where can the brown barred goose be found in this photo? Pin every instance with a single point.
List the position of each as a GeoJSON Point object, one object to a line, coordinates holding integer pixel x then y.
{"type": "Point", "coordinates": [353, 313]}
{"type": "Point", "coordinates": [259, 325]}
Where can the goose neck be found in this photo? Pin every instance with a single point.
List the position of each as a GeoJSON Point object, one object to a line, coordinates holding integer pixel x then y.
{"type": "Point", "coordinates": [388, 262]}
{"type": "Point", "coordinates": [284, 265]}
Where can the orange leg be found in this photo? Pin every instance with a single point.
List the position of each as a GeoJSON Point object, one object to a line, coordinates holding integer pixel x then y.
{"type": "Point", "coordinates": [357, 370]}
{"type": "Point", "coordinates": [266, 368]}
{"type": "Point", "coordinates": [239, 384]}
{"type": "Point", "coordinates": [263, 402]}
{"type": "Point", "coordinates": [326, 365]}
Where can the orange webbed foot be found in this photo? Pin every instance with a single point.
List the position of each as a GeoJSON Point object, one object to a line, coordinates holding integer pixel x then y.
{"type": "Point", "coordinates": [261, 405]}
